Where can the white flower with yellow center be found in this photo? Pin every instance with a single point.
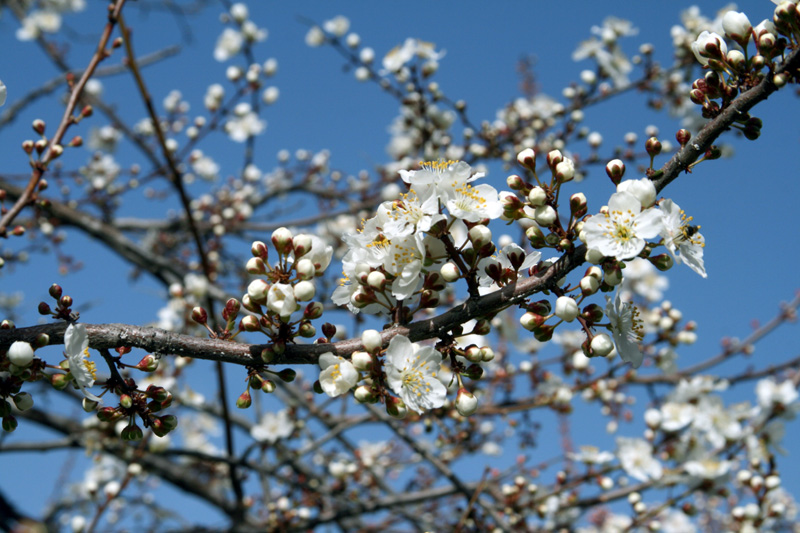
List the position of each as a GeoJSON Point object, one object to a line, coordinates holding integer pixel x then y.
{"type": "Point", "coordinates": [627, 329]}
{"type": "Point", "coordinates": [410, 213]}
{"type": "Point", "coordinates": [338, 374]}
{"type": "Point", "coordinates": [682, 239]}
{"type": "Point", "coordinates": [82, 370]}
{"type": "Point", "coordinates": [411, 374]}
{"type": "Point", "coordinates": [621, 231]}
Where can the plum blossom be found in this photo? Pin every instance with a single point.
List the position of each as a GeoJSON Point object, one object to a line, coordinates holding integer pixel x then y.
{"type": "Point", "coordinates": [621, 232]}
{"type": "Point", "coordinates": [338, 374]}
{"type": "Point", "coordinates": [682, 240]}
{"type": "Point", "coordinates": [398, 56]}
{"type": "Point", "coordinates": [244, 124]}
{"type": "Point", "coordinates": [228, 45]}
{"type": "Point", "coordinates": [281, 300]}
{"type": "Point", "coordinates": [82, 370]}
{"type": "Point", "coordinates": [626, 327]}
{"type": "Point", "coordinates": [273, 426]}
{"type": "Point", "coordinates": [636, 458]}
{"type": "Point", "coordinates": [411, 373]}
{"type": "Point", "coordinates": [709, 45]}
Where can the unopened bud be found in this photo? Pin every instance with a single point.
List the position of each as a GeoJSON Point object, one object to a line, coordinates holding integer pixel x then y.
{"type": "Point", "coordinates": [615, 169]}
{"type": "Point", "coordinates": [527, 158]}
{"type": "Point", "coordinates": [653, 146]}
{"type": "Point", "coordinates": [466, 402]}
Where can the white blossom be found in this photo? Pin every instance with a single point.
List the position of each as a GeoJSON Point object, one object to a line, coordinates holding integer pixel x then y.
{"type": "Point", "coordinates": [273, 426]}
{"type": "Point", "coordinates": [338, 374]}
{"type": "Point", "coordinates": [636, 458]}
{"type": "Point", "coordinates": [82, 370]}
{"type": "Point", "coordinates": [621, 232]}
{"type": "Point", "coordinates": [411, 374]}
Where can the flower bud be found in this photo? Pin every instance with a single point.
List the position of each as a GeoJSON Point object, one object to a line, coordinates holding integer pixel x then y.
{"type": "Point", "coordinates": [543, 333]}
{"type": "Point", "coordinates": [307, 330]}
{"type": "Point", "coordinates": [199, 315]}
{"type": "Point", "coordinates": [449, 272]}
{"type": "Point", "coordinates": [545, 216]}
{"type": "Point", "coordinates": [259, 249]}
{"type": "Point", "coordinates": [530, 321]}
{"type": "Point", "coordinates": [662, 262]}
{"type": "Point", "coordinates": [683, 136]}
{"type": "Point", "coordinates": [361, 361]}
{"type": "Point", "coordinates": [615, 169]}
{"type": "Point", "coordinates": [602, 345]}
{"type": "Point", "coordinates": [301, 244]}
{"type": "Point", "coordinates": [268, 386]}
{"type": "Point", "coordinates": [566, 308]}
{"type": "Point", "coordinates": [250, 323]}
{"type": "Point", "coordinates": [474, 372]}
{"type": "Point", "coordinates": [257, 291]}
{"type": "Point", "coordinates": [132, 433]}
{"type": "Point", "coordinates": [305, 269]}
{"type": "Point", "coordinates": [473, 354]}
{"type": "Point", "coordinates": [304, 291]}
{"type": "Point", "coordinates": [565, 171]}
{"type": "Point", "coordinates": [737, 26]}
{"type": "Point", "coordinates": [554, 157]}
{"type": "Point", "coordinates": [653, 146]}
{"type": "Point", "coordinates": [313, 311]}
{"type": "Point", "coordinates": [23, 401]}
{"type": "Point", "coordinates": [256, 266]}
{"type": "Point", "coordinates": [282, 240]}
{"type": "Point", "coordinates": [244, 400]}
{"type": "Point", "coordinates": [9, 423]}
{"type": "Point", "coordinates": [466, 402]}
{"type": "Point", "coordinates": [515, 183]}
{"type": "Point", "coordinates": [527, 158]}
{"type": "Point", "coordinates": [589, 285]}
{"type": "Point", "coordinates": [577, 204]}
{"type": "Point", "coordinates": [363, 394]}
{"type": "Point", "coordinates": [20, 354]}
{"type": "Point", "coordinates": [377, 280]}
{"type": "Point", "coordinates": [149, 363]}
{"type": "Point", "coordinates": [39, 126]}
{"type": "Point", "coordinates": [89, 405]}
{"type": "Point", "coordinates": [537, 196]}
{"type": "Point", "coordinates": [371, 338]}
{"type": "Point", "coordinates": [535, 236]}
{"type": "Point", "coordinates": [396, 407]}
{"type": "Point", "coordinates": [287, 375]}
{"type": "Point", "coordinates": [480, 236]}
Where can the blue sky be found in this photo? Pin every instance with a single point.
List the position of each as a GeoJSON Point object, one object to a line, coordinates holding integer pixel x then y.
{"type": "Point", "coordinates": [745, 204]}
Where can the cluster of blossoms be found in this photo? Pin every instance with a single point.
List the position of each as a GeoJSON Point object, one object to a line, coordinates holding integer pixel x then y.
{"type": "Point", "coordinates": [401, 254]}
{"type": "Point", "coordinates": [78, 370]}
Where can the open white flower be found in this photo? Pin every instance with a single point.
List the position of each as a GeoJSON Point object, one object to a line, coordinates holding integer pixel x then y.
{"type": "Point", "coordinates": [626, 327]}
{"type": "Point", "coordinates": [281, 300]}
{"type": "Point", "coordinates": [682, 239]}
{"type": "Point", "coordinates": [622, 230]}
{"type": "Point", "coordinates": [338, 374]}
{"type": "Point", "coordinates": [411, 374]}
{"type": "Point", "coordinates": [273, 426]}
{"type": "Point", "coordinates": [636, 458]}
{"type": "Point", "coordinates": [82, 370]}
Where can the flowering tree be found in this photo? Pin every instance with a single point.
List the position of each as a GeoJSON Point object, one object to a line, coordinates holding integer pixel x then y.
{"type": "Point", "coordinates": [368, 355]}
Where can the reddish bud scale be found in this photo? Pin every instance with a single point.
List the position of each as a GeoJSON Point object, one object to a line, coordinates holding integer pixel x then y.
{"type": "Point", "coordinates": [592, 313]}
{"type": "Point", "coordinates": [329, 330]}
{"type": "Point", "coordinates": [474, 372]}
{"type": "Point", "coordinates": [543, 333]}
{"type": "Point", "coordinates": [653, 146]}
{"type": "Point", "coordinates": [65, 301]}
{"type": "Point", "coordinates": [44, 309]}
{"type": "Point", "coordinates": [683, 136]}
{"type": "Point", "coordinates": [542, 307]}
{"type": "Point", "coordinates": [199, 315]}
